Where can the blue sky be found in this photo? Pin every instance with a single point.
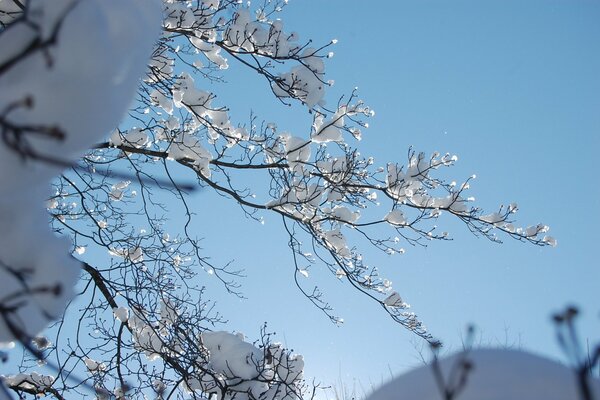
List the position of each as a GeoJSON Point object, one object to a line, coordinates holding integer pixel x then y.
{"type": "Point", "coordinates": [513, 88]}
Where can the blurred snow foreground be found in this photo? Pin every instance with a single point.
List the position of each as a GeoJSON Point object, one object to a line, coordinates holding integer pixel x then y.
{"type": "Point", "coordinates": [68, 71]}
{"type": "Point", "coordinates": [492, 374]}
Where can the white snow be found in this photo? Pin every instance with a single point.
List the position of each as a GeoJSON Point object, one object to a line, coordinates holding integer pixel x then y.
{"type": "Point", "coordinates": [93, 366]}
{"type": "Point", "coordinates": [121, 313]}
{"type": "Point", "coordinates": [550, 240]}
{"type": "Point", "coordinates": [231, 356]}
{"type": "Point", "coordinates": [297, 150]}
{"type": "Point", "coordinates": [189, 147]}
{"type": "Point", "coordinates": [497, 374]}
{"type": "Point", "coordinates": [32, 381]}
{"type": "Point", "coordinates": [337, 242]}
{"type": "Point", "coordinates": [269, 373]}
{"type": "Point", "coordinates": [344, 214]}
{"type": "Point", "coordinates": [136, 138]}
{"type": "Point", "coordinates": [395, 217]}
{"type": "Point", "coordinates": [394, 300]}
{"type": "Point", "coordinates": [133, 254]}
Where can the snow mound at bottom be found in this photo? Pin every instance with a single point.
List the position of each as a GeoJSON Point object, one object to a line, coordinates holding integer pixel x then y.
{"type": "Point", "coordinates": [495, 375]}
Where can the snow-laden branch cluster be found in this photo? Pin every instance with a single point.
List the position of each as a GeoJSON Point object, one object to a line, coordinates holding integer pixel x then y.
{"type": "Point", "coordinates": [246, 371]}
{"type": "Point", "coordinates": [208, 362]}
{"type": "Point", "coordinates": [33, 383]}
{"type": "Point", "coordinates": [316, 180]}
{"type": "Point", "coordinates": [67, 70]}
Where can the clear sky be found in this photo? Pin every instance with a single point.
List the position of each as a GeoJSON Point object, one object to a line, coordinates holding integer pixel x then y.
{"type": "Point", "coordinates": [513, 88]}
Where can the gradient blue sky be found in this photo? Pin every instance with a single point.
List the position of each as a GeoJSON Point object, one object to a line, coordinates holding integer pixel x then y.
{"type": "Point", "coordinates": [513, 88]}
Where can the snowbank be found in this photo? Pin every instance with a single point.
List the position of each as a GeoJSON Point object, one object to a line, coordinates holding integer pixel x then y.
{"type": "Point", "coordinates": [496, 375]}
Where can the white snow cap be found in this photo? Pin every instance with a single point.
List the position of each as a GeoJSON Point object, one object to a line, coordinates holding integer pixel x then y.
{"type": "Point", "coordinates": [231, 356]}
{"type": "Point", "coordinates": [394, 300]}
{"type": "Point", "coordinates": [497, 374]}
